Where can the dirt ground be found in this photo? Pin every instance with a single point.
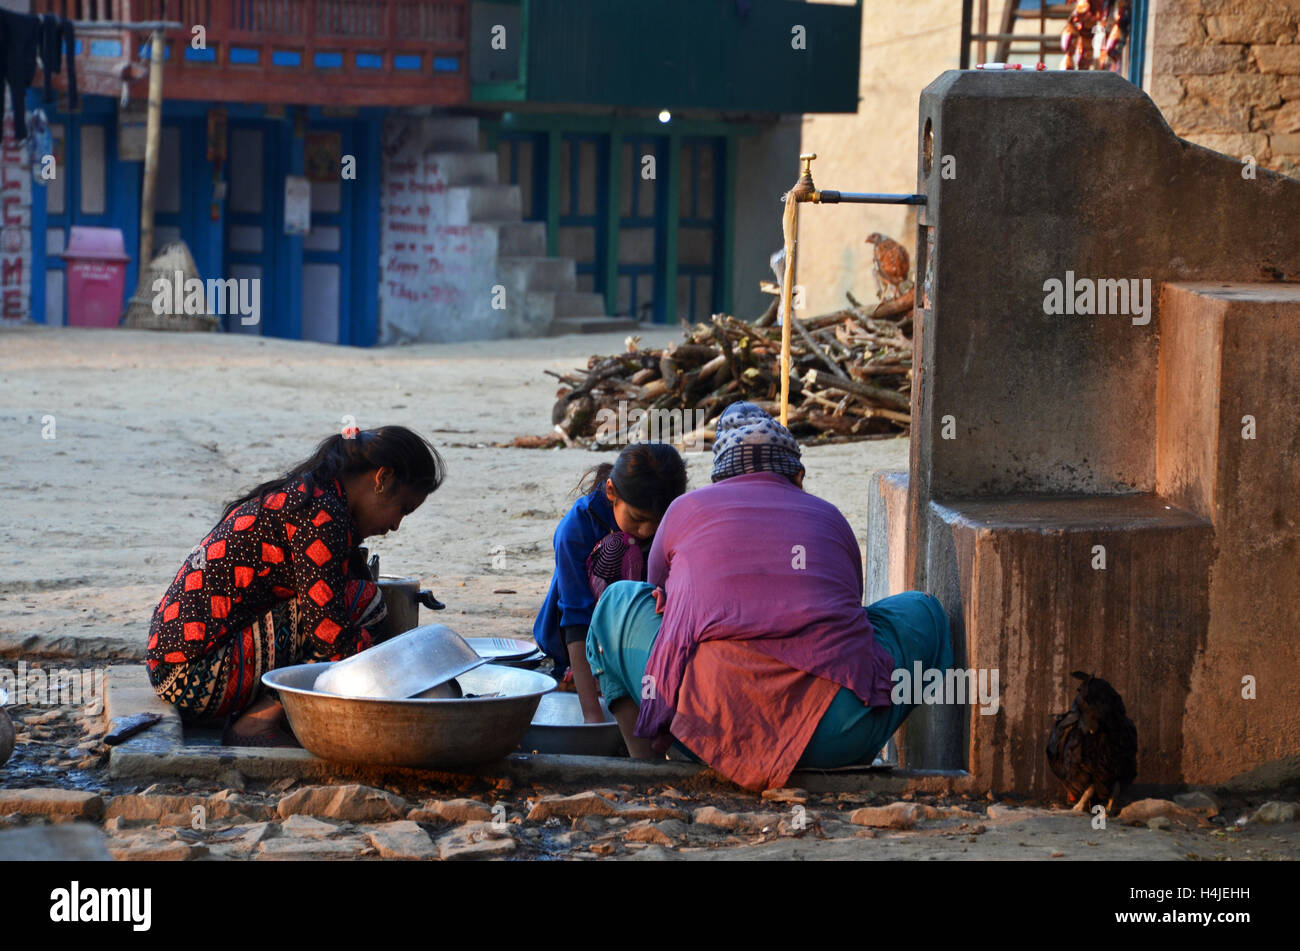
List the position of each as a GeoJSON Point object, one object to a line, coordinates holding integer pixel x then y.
{"type": "Point", "coordinates": [153, 432]}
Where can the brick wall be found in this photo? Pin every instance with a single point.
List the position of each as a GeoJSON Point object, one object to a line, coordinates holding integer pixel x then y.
{"type": "Point", "coordinates": [1226, 75]}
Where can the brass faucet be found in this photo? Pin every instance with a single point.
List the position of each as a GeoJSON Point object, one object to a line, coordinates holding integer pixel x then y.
{"type": "Point", "coordinates": [804, 189]}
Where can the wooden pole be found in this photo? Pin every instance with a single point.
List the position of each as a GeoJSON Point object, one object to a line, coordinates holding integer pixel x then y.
{"type": "Point", "coordinates": [984, 28]}
{"type": "Point", "coordinates": [152, 144]}
{"type": "Point", "coordinates": [789, 228]}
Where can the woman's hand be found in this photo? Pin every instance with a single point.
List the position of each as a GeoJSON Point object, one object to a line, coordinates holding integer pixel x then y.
{"type": "Point", "coordinates": [660, 600]}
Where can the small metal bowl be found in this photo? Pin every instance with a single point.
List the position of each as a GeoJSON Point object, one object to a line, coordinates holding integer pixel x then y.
{"type": "Point", "coordinates": [483, 726]}
{"type": "Point", "coordinates": [558, 727]}
{"type": "Point", "coordinates": [406, 666]}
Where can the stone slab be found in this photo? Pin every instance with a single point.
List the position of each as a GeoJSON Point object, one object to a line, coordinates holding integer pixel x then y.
{"type": "Point", "coordinates": [127, 691]}
{"type": "Point", "coordinates": [403, 840]}
{"type": "Point", "coordinates": [52, 803]}
{"type": "Point", "coordinates": [306, 849]}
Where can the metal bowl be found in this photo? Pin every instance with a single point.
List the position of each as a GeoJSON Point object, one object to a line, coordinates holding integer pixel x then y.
{"type": "Point", "coordinates": [406, 666]}
{"type": "Point", "coordinates": [558, 727]}
{"type": "Point", "coordinates": [483, 726]}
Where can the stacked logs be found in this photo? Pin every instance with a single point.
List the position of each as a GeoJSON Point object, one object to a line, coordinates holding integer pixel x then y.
{"type": "Point", "coordinates": [851, 374]}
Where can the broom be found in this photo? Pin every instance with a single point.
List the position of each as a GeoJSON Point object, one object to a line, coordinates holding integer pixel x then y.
{"type": "Point", "coordinates": [172, 260]}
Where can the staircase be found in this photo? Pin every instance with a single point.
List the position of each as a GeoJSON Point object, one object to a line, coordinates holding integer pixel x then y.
{"type": "Point", "coordinates": [541, 291]}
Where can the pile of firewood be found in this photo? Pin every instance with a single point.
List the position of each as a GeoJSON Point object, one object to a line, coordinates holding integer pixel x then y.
{"type": "Point", "coordinates": [851, 375]}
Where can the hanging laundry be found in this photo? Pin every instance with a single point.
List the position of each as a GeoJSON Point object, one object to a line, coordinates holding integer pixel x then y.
{"type": "Point", "coordinates": [19, 39]}
{"type": "Point", "coordinates": [51, 52]}
{"type": "Point", "coordinates": [40, 143]}
{"type": "Point", "coordinates": [58, 39]}
{"type": "Point", "coordinates": [69, 34]}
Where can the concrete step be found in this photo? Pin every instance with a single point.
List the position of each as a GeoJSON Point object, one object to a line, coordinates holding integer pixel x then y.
{"type": "Point", "coordinates": [489, 203]}
{"type": "Point", "coordinates": [519, 239]}
{"type": "Point", "coordinates": [591, 325]}
{"type": "Point", "coordinates": [537, 273]}
{"type": "Point", "coordinates": [465, 168]}
{"type": "Point", "coordinates": [452, 134]}
{"type": "Point", "coordinates": [579, 304]}
{"type": "Point", "coordinates": [1026, 593]}
{"type": "Point", "coordinates": [1226, 438]}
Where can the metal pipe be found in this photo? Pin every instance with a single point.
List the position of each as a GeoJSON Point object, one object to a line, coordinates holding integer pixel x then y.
{"type": "Point", "coordinates": [829, 197]}
{"type": "Point", "coordinates": [805, 190]}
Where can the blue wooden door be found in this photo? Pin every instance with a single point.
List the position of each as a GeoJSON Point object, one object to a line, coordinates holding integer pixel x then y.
{"type": "Point", "coordinates": [181, 209]}
{"type": "Point", "coordinates": [327, 249]}
{"type": "Point", "coordinates": [254, 219]}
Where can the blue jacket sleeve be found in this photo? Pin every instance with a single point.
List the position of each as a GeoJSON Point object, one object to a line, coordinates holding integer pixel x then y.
{"type": "Point", "coordinates": [573, 543]}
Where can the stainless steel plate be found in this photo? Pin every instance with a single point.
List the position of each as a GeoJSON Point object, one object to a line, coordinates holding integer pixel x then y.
{"type": "Point", "coordinates": [405, 666]}
{"type": "Point", "coordinates": [498, 649]}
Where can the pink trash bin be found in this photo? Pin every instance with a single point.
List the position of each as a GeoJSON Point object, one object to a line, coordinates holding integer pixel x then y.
{"type": "Point", "coordinates": [96, 261]}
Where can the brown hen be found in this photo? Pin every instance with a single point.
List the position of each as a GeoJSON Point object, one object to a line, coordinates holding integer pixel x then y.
{"type": "Point", "coordinates": [891, 267]}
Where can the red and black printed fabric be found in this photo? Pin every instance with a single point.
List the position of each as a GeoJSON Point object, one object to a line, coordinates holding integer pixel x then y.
{"type": "Point", "coordinates": [293, 543]}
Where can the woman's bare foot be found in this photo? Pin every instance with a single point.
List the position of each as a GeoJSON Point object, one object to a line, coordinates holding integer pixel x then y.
{"type": "Point", "coordinates": [260, 725]}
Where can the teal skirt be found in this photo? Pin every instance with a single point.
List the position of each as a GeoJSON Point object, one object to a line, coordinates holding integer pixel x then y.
{"type": "Point", "coordinates": [911, 626]}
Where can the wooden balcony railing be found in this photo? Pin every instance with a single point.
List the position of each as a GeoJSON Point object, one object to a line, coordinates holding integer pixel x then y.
{"type": "Point", "coordinates": [307, 52]}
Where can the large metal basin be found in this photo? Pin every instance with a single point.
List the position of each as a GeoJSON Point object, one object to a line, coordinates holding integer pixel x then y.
{"type": "Point", "coordinates": [422, 733]}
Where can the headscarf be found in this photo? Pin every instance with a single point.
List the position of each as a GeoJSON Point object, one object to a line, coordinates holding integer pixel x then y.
{"type": "Point", "coordinates": [749, 440]}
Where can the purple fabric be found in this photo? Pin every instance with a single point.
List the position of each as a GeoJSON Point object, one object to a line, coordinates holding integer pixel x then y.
{"type": "Point", "coordinates": [616, 557]}
{"type": "Point", "coordinates": [756, 559]}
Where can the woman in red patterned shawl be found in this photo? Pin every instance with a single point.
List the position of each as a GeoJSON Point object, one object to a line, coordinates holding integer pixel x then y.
{"type": "Point", "coordinates": [280, 580]}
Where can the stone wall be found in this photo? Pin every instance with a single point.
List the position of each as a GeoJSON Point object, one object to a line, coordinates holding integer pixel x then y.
{"type": "Point", "coordinates": [1226, 75]}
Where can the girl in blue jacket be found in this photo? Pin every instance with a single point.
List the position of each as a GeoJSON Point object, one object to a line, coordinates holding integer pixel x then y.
{"type": "Point", "coordinates": [628, 496]}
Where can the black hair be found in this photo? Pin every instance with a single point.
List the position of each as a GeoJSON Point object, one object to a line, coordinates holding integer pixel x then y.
{"type": "Point", "coordinates": [646, 475]}
{"type": "Point", "coordinates": [413, 461]}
